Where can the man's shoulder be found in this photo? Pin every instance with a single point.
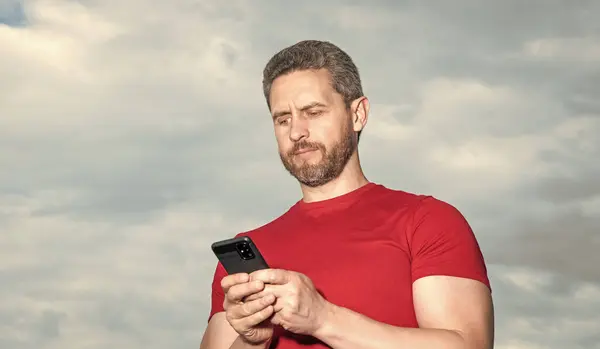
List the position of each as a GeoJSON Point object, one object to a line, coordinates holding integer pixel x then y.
{"type": "Point", "coordinates": [430, 211]}
{"type": "Point", "coordinates": [271, 227]}
{"type": "Point", "coordinates": [418, 203]}
{"type": "Point", "coordinates": [400, 198]}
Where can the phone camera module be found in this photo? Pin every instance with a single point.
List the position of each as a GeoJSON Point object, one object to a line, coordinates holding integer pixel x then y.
{"type": "Point", "coordinates": [244, 251]}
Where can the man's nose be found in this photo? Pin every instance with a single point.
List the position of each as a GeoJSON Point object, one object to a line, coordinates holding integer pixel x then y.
{"type": "Point", "coordinates": [298, 128]}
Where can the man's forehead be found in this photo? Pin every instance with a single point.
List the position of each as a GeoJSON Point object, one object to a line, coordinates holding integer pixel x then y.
{"type": "Point", "coordinates": [299, 92]}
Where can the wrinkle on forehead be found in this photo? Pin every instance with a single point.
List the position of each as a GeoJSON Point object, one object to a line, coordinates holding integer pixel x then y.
{"type": "Point", "coordinates": [297, 90]}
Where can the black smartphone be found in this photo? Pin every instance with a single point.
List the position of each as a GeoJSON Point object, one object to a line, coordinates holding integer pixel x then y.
{"type": "Point", "coordinates": [239, 255]}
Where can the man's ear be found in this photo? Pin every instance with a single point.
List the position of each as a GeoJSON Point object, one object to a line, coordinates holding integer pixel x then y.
{"type": "Point", "coordinates": [360, 113]}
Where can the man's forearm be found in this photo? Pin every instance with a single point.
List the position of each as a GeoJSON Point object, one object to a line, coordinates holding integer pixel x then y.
{"type": "Point", "coordinates": [346, 329]}
{"type": "Point", "coordinates": [239, 343]}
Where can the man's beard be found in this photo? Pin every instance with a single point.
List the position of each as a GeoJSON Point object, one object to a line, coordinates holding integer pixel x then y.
{"type": "Point", "coordinates": [329, 168]}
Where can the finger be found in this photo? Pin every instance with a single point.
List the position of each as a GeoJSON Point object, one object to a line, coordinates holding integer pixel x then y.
{"type": "Point", "coordinates": [256, 318]}
{"type": "Point", "coordinates": [254, 296]}
{"type": "Point", "coordinates": [238, 292]}
{"type": "Point", "coordinates": [276, 319]}
{"type": "Point", "coordinates": [271, 276]}
{"type": "Point", "coordinates": [230, 280]}
{"type": "Point", "coordinates": [275, 290]}
{"type": "Point", "coordinates": [247, 309]}
{"type": "Point", "coordinates": [278, 305]}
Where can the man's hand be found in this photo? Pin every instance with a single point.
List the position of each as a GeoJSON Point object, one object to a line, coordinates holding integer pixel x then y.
{"type": "Point", "coordinates": [247, 316]}
{"type": "Point", "coordinates": [299, 307]}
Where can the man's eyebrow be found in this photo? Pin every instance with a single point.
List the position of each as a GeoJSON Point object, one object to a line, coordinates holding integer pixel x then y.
{"type": "Point", "coordinates": [310, 105]}
{"type": "Point", "coordinates": [278, 114]}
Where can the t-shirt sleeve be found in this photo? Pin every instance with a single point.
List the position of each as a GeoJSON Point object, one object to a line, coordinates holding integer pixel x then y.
{"type": "Point", "coordinates": [217, 296]}
{"type": "Point", "coordinates": [443, 243]}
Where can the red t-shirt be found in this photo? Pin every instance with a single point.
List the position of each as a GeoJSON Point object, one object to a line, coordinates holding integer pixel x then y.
{"type": "Point", "coordinates": [363, 250]}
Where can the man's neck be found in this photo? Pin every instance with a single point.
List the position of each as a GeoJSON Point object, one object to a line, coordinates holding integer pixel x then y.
{"type": "Point", "coordinates": [349, 180]}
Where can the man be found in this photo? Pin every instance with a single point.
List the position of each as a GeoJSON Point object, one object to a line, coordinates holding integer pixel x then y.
{"type": "Point", "coordinates": [353, 264]}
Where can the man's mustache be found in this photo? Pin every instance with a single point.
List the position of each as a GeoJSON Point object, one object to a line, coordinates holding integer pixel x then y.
{"type": "Point", "coordinates": [305, 146]}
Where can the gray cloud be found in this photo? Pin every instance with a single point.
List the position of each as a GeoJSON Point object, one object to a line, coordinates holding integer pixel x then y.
{"type": "Point", "coordinates": [537, 314]}
{"type": "Point", "coordinates": [133, 135]}
{"type": "Point", "coordinates": [564, 243]}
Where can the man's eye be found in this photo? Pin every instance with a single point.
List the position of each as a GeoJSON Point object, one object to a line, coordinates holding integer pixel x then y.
{"type": "Point", "coordinates": [315, 112]}
{"type": "Point", "coordinates": [283, 121]}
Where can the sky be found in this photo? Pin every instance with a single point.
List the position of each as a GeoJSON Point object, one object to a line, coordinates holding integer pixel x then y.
{"type": "Point", "coordinates": [134, 133]}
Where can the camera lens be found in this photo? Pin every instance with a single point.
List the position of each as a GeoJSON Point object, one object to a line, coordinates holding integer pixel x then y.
{"type": "Point", "coordinates": [244, 250]}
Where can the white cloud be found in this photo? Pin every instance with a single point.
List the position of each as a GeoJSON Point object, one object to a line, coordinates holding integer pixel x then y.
{"type": "Point", "coordinates": [135, 133]}
{"type": "Point", "coordinates": [586, 49]}
{"type": "Point", "coordinates": [526, 280]}
{"type": "Point", "coordinates": [92, 71]}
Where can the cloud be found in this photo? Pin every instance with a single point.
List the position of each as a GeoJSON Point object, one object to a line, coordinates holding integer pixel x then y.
{"type": "Point", "coordinates": [135, 133]}
{"type": "Point", "coordinates": [104, 283]}
{"type": "Point", "coordinates": [540, 315]}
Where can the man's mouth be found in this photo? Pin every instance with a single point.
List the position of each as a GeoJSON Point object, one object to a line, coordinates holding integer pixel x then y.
{"type": "Point", "coordinates": [304, 150]}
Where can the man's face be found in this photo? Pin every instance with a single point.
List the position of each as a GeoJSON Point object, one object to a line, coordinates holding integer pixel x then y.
{"type": "Point", "coordinates": [313, 127]}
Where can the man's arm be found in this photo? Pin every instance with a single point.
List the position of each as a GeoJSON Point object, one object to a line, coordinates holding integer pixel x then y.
{"type": "Point", "coordinates": [220, 335]}
{"type": "Point", "coordinates": [235, 323]}
{"type": "Point", "coordinates": [451, 293]}
{"type": "Point", "coordinates": [453, 313]}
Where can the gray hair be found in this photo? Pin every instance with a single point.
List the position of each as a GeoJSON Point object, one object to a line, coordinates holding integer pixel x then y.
{"type": "Point", "coordinates": [314, 54]}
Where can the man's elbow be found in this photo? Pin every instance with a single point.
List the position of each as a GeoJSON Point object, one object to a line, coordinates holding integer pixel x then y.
{"type": "Point", "coordinates": [475, 340]}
